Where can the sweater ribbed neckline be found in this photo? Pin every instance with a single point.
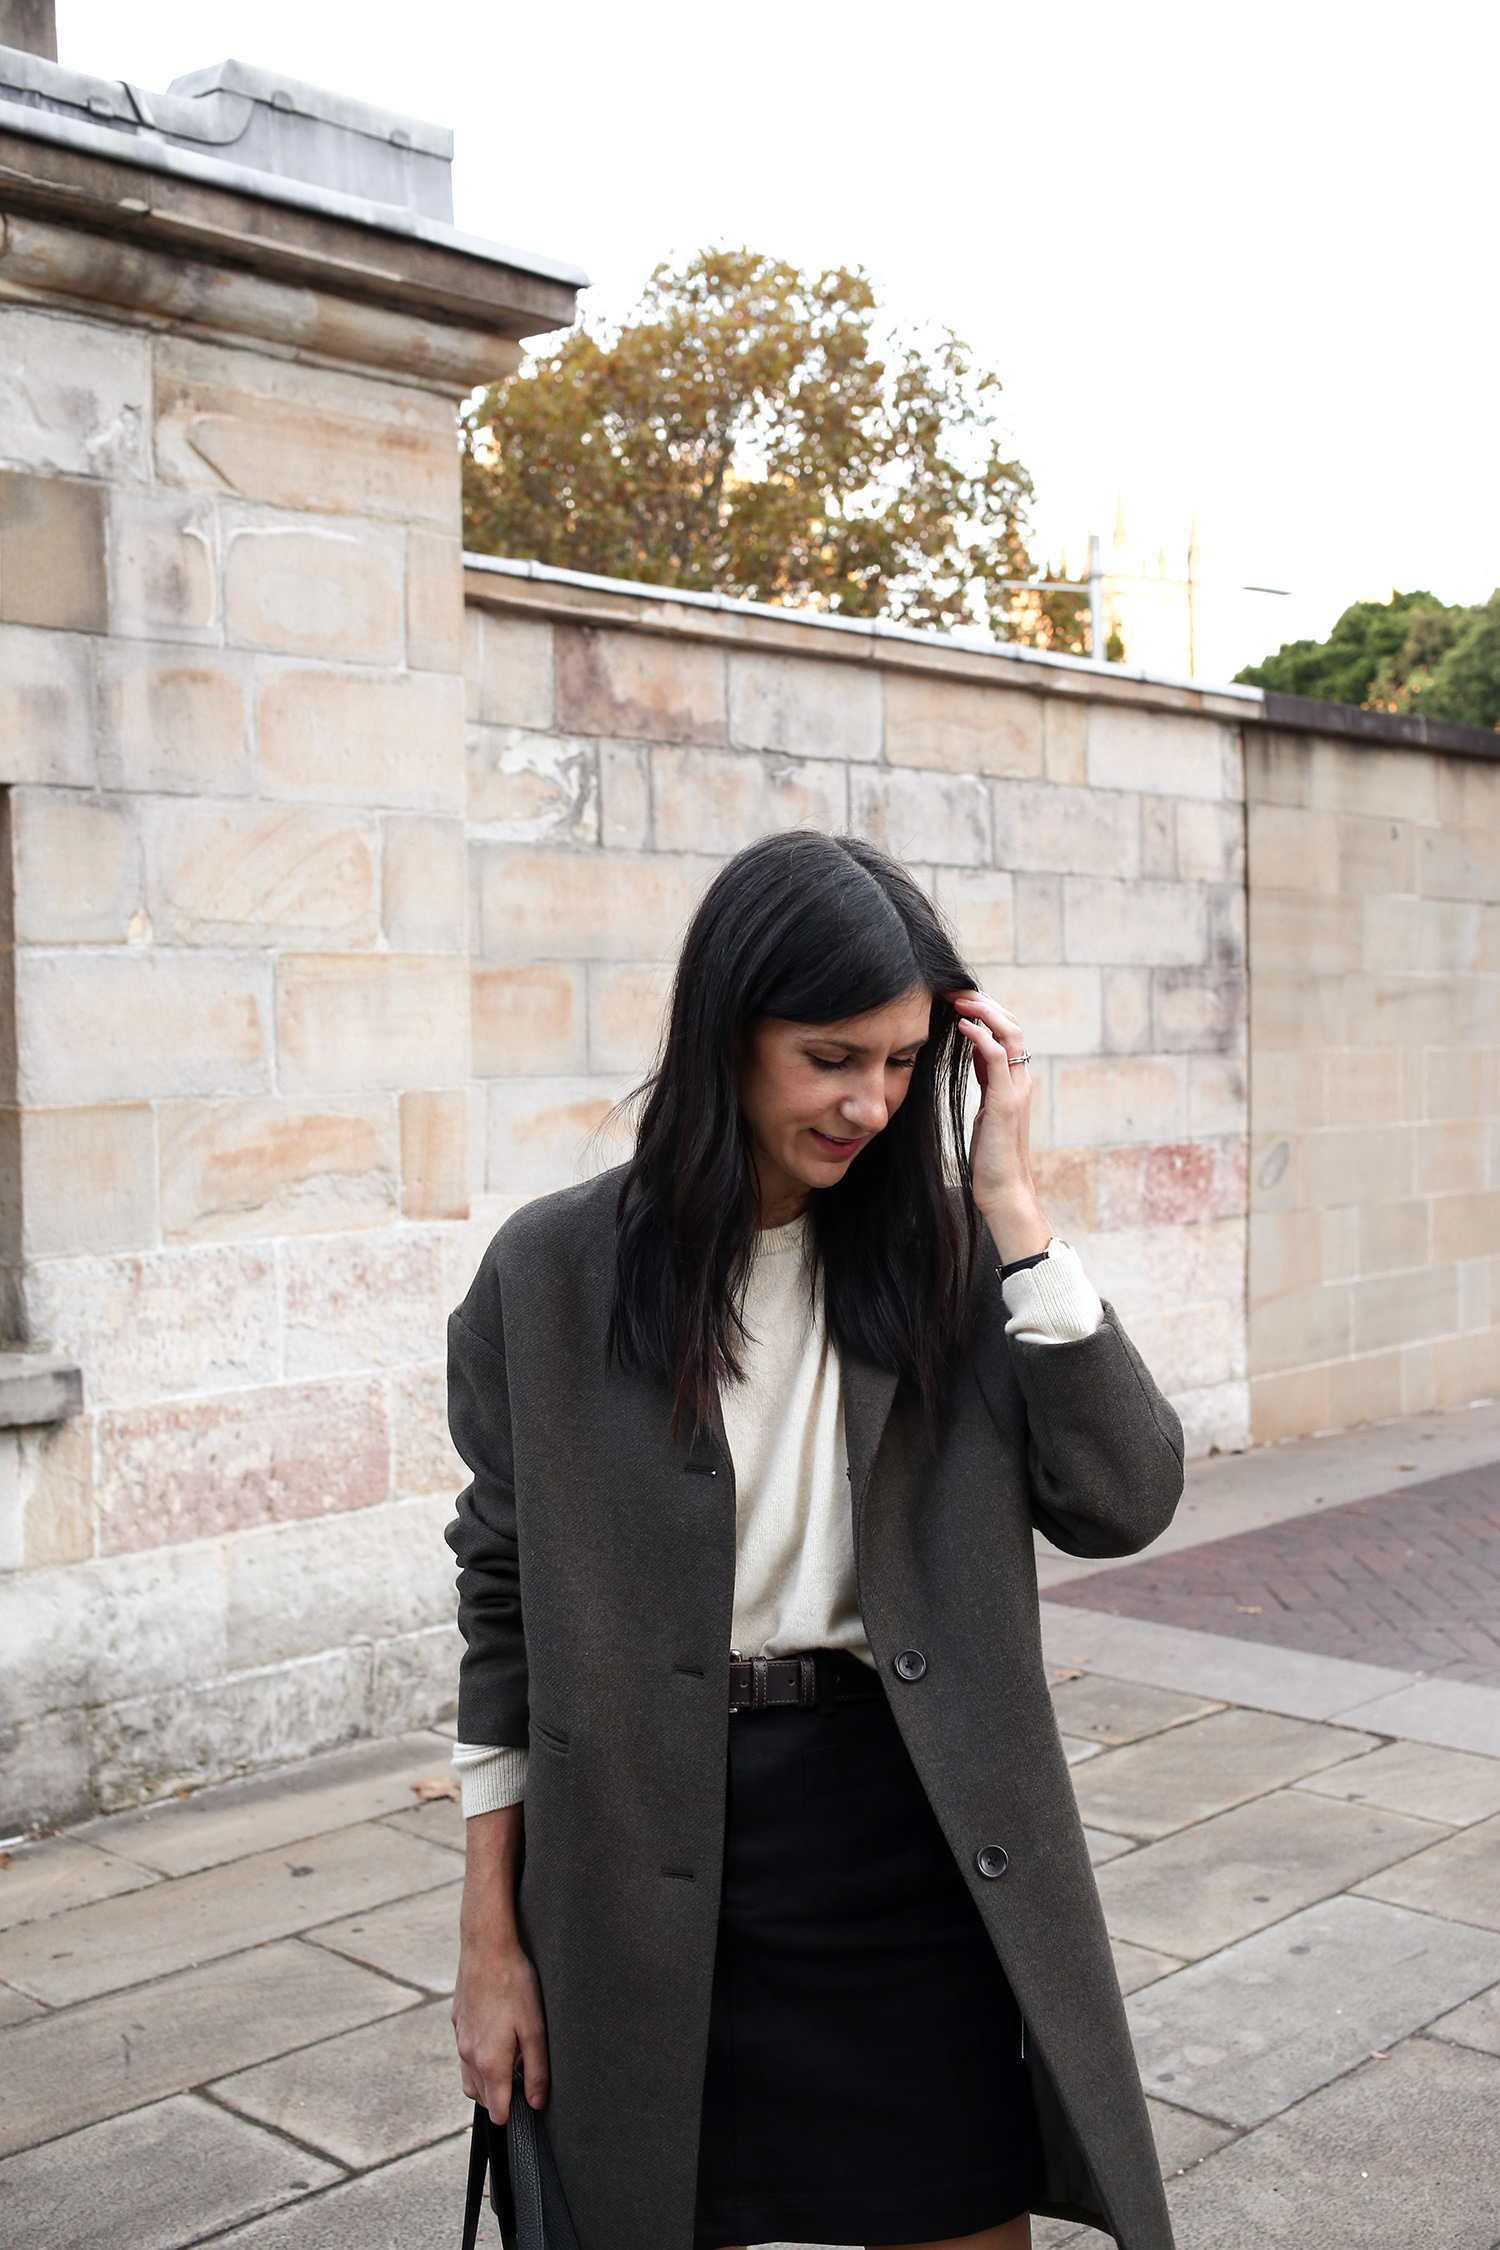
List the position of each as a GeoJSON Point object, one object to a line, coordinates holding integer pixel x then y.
{"type": "Point", "coordinates": [779, 1242]}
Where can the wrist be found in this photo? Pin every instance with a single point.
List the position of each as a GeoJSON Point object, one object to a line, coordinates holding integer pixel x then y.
{"type": "Point", "coordinates": [1017, 1225]}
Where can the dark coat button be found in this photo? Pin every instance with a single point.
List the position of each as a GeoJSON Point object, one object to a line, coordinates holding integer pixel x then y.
{"type": "Point", "coordinates": [910, 1664]}
{"type": "Point", "coordinates": [992, 1861]}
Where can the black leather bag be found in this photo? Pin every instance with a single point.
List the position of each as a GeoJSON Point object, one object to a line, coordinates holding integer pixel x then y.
{"type": "Point", "coordinates": [525, 2189]}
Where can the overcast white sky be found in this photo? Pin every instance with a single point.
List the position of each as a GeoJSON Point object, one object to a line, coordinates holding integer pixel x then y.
{"type": "Point", "coordinates": [1237, 259]}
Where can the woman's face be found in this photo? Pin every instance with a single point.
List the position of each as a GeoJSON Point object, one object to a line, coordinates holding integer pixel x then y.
{"type": "Point", "coordinates": [813, 1094]}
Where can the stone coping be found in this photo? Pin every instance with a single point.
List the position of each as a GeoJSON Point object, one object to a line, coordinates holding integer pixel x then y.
{"type": "Point", "coordinates": [500, 581]}
{"type": "Point", "coordinates": [141, 190]}
{"type": "Point", "coordinates": [38, 1387]}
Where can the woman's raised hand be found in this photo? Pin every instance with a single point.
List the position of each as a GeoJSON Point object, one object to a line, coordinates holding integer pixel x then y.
{"type": "Point", "coordinates": [1000, 1153]}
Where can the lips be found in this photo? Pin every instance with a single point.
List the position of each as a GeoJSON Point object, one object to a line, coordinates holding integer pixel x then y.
{"type": "Point", "coordinates": [834, 1147]}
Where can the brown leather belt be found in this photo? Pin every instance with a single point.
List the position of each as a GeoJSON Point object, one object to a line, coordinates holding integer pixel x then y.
{"type": "Point", "coordinates": [801, 1683]}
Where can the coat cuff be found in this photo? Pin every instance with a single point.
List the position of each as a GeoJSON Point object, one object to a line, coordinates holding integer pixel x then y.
{"type": "Point", "coordinates": [1052, 1302]}
{"type": "Point", "coordinates": [492, 1778]}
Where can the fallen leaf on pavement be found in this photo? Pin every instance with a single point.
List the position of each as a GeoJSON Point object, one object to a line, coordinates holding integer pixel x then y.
{"type": "Point", "coordinates": [429, 1791]}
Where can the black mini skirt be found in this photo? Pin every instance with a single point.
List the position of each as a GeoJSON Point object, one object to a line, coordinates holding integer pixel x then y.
{"type": "Point", "coordinates": [866, 2080]}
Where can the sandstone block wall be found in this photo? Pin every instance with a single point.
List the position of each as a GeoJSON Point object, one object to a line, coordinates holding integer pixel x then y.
{"type": "Point", "coordinates": [1085, 839]}
{"type": "Point", "coordinates": [236, 1102]}
{"type": "Point", "coordinates": [1375, 1059]}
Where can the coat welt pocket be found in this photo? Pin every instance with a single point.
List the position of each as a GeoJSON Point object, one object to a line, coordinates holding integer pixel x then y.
{"type": "Point", "coordinates": [552, 1738]}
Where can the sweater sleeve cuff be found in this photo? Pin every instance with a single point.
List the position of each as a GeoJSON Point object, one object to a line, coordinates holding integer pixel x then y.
{"type": "Point", "coordinates": [1052, 1302]}
{"type": "Point", "coordinates": [492, 1778]}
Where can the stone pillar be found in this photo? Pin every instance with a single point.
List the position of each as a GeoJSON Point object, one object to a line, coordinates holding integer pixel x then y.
{"type": "Point", "coordinates": [234, 989]}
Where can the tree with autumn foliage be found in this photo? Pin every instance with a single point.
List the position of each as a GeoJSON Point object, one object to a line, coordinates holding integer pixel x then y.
{"type": "Point", "coordinates": [743, 433]}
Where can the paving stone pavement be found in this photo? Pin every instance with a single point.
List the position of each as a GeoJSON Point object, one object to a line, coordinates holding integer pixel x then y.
{"type": "Point", "coordinates": [1408, 1579]}
{"type": "Point", "coordinates": [224, 2019]}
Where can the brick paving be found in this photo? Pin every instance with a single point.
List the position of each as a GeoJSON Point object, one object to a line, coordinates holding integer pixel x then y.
{"type": "Point", "coordinates": [1409, 1579]}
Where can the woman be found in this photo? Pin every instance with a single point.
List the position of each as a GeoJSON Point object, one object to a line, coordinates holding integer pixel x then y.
{"type": "Point", "coordinates": [812, 1925]}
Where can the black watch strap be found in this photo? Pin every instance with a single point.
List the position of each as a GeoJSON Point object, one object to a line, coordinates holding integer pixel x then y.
{"type": "Point", "coordinates": [1019, 1265]}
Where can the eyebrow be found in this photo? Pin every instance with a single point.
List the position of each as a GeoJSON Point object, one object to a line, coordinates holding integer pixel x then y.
{"type": "Point", "coordinates": [855, 1047]}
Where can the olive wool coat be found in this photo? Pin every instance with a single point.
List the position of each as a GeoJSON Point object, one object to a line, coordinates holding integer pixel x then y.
{"type": "Point", "coordinates": [595, 1592]}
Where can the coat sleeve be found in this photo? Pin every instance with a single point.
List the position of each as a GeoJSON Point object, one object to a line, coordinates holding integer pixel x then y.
{"type": "Point", "coordinates": [492, 1690]}
{"type": "Point", "coordinates": [1104, 1448]}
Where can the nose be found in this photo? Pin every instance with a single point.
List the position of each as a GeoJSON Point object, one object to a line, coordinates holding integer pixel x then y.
{"type": "Point", "coordinates": [865, 1106]}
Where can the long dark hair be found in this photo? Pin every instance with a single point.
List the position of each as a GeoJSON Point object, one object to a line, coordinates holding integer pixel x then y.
{"type": "Point", "coordinates": [813, 928]}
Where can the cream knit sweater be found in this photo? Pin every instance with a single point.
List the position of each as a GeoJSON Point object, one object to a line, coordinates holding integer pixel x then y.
{"type": "Point", "coordinates": [794, 1585]}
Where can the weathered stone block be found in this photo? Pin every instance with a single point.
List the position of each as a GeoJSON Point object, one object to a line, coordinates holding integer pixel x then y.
{"type": "Point", "coordinates": [719, 801]}
{"type": "Point", "coordinates": [299, 437]}
{"type": "Point", "coordinates": [1293, 850]}
{"type": "Point", "coordinates": [956, 727]}
{"type": "Point", "coordinates": [638, 687]}
{"type": "Point", "coordinates": [1299, 1012]}
{"type": "Point", "coordinates": [293, 1590]}
{"type": "Point", "coordinates": [128, 1024]}
{"type": "Point", "coordinates": [278, 875]}
{"type": "Point", "coordinates": [1039, 917]}
{"type": "Point", "coordinates": [1360, 778]}
{"type": "Point", "coordinates": [1126, 1015]}
{"type": "Point", "coordinates": [1286, 1254]}
{"type": "Point", "coordinates": [1459, 863]}
{"type": "Point", "coordinates": [1058, 1008]}
{"type": "Point", "coordinates": [316, 592]}
{"type": "Point", "coordinates": [526, 788]}
{"type": "Point", "coordinates": [1197, 1008]}
{"type": "Point", "coordinates": [173, 720]}
{"type": "Point", "coordinates": [1438, 936]}
{"type": "Point", "coordinates": [1191, 1347]}
{"type": "Point", "coordinates": [937, 817]}
{"type": "Point", "coordinates": [52, 553]}
{"type": "Point", "coordinates": [1289, 1404]}
{"type": "Point", "coordinates": [423, 884]}
{"type": "Point", "coordinates": [1217, 1095]}
{"type": "Point", "coordinates": [355, 1022]}
{"type": "Point", "coordinates": [804, 709]}
{"type": "Point", "coordinates": [573, 906]}
{"type": "Point", "coordinates": [361, 739]}
{"type": "Point", "coordinates": [1365, 1086]}
{"type": "Point", "coordinates": [161, 1325]}
{"type": "Point", "coordinates": [1393, 1236]}
{"type": "Point", "coordinates": [624, 797]}
{"type": "Point", "coordinates": [1124, 1099]}
{"type": "Point", "coordinates": [164, 567]}
{"type": "Point", "coordinates": [548, 1132]}
{"type": "Point", "coordinates": [434, 602]}
{"type": "Point", "coordinates": [360, 1301]}
{"type": "Point", "coordinates": [1376, 854]}
{"type": "Point", "coordinates": [1065, 741]}
{"type": "Point", "coordinates": [1046, 829]}
{"type": "Point", "coordinates": [435, 1155]}
{"type": "Point", "coordinates": [77, 868]}
{"type": "Point", "coordinates": [232, 1169]}
{"type": "Point", "coordinates": [979, 905]}
{"type": "Point", "coordinates": [1181, 756]}
{"type": "Point", "coordinates": [1399, 1308]}
{"type": "Point", "coordinates": [1158, 857]}
{"type": "Point", "coordinates": [1450, 1158]}
{"type": "Point", "coordinates": [46, 707]}
{"type": "Point", "coordinates": [196, 1468]}
{"type": "Point", "coordinates": [627, 1015]}
{"type": "Point", "coordinates": [1463, 1367]}
{"type": "Point", "coordinates": [1421, 1011]}
{"type": "Point", "coordinates": [75, 396]}
{"type": "Point", "coordinates": [90, 1180]}
{"type": "Point", "coordinates": [55, 1475]}
{"type": "Point", "coordinates": [1465, 1226]}
{"type": "Point", "coordinates": [1357, 1164]}
{"type": "Point", "coordinates": [528, 1022]}
{"type": "Point", "coordinates": [511, 679]}
{"type": "Point", "coordinates": [1302, 1328]}
{"type": "Point", "coordinates": [1210, 842]}
{"type": "Point", "coordinates": [1142, 924]}
{"type": "Point", "coordinates": [425, 1460]}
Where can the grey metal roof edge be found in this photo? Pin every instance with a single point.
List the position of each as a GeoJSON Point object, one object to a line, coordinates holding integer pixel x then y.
{"type": "Point", "coordinates": [322, 102]}
{"type": "Point", "coordinates": [151, 155]}
{"type": "Point", "coordinates": [870, 628]}
{"type": "Point", "coordinates": [1402, 730]}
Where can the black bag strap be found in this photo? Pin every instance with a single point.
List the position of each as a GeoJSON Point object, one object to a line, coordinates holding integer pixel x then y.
{"type": "Point", "coordinates": [479, 2164]}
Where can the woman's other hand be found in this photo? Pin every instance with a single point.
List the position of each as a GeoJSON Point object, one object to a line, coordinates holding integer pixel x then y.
{"type": "Point", "coordinates": [497, 2002]}
{"type": "Point", "coordinates": [1000, 1152]}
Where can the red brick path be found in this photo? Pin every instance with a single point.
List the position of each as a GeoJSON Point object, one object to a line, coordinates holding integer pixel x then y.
{"type": "Point", "coordinates": [1409, 1579]}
